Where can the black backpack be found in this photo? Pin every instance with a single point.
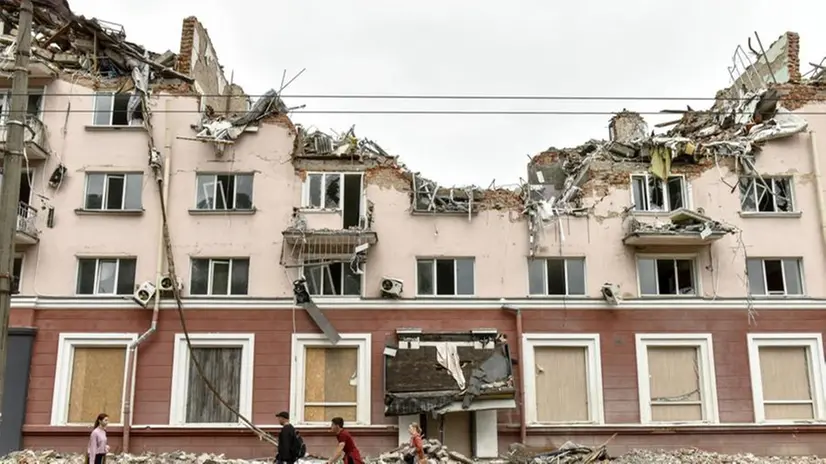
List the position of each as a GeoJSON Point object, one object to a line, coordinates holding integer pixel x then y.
{"type": "Point", "coordinates": [301, 447]}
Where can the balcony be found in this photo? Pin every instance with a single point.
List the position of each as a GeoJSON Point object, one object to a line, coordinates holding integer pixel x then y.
{"type": "Point", "coordinates": [685, 228]}
{"type": "Point", "coordinates": [35, 137]}
{"type": "Point", "coordinates": [26, 233]}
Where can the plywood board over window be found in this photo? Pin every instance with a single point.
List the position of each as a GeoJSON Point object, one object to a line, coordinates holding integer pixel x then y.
{"type": "Point", "coordinates": [787, 377]}
{"type": "Point", "coordinates": [566, 383]}
{"type": "Point", "coordinates": [90, 374]}
{"type": "Point", "coordinates": [330, 381]}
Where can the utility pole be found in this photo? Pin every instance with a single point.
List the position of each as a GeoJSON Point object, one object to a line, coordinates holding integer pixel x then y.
{"type": "Point", "coordinates": [12, 167]}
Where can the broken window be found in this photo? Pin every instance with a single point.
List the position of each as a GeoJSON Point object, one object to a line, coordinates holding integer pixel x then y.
{"type": "Point", "coordinates": [788, 383]}
{"type": "Point", "coordinates": [223, 192]}
{"type": "Point", "coordinates": [106, 276]}
{"type": "Point", "coordinates": [331, 383]}
{"type": "Point", "coordinates": [33, 107]}
{"type": "Point", "coordinates": [766, 195]}
{"type": "Point", "coordinates": [334, 279]}
{"type": "Point", "coordinates": [219, 276]}
{"type": "Point", "coordinates": [556, 276]}
{"type": "Point", "coordinates": [445, 277]}
{"type": "Point", "coordinates": [222, 368]}
{"type": "Point", "coordinates": [96, 382]}
{"type": "Point", "coordinates": [113, 109]}
{"type": "Point", "coordinates": [113, 192]}
{"type": "Point", "coordinates": [653, 194]}
{"type": "Point", "coordinates": [666, 276]}
{"type": "Point", "coordinates": [17, 271]}
{"type": "Point", "coordinates": [775, 276]}
{"type": "Point", "coordinates": [322, 191]}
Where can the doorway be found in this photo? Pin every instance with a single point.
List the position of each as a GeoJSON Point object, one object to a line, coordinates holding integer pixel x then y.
{"type": "Point", "coordinates": [351, 203]}
{"type": "Point", "coordinates": [457, 432]}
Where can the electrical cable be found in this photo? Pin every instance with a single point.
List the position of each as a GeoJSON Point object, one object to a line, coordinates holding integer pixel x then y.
{"type": "Point", "coordinates": [473, 112]}
{"type": "Point", "coordinates": [170, 260]}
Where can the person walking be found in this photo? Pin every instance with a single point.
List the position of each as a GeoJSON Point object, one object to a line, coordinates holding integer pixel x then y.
{"type": "Point", "coordinates": [346, 448]}
{"type": "Point", "coordinates": [417, 444]}
{"type": "Point", "coordinates": [98, 446]}
{"type": "Point", "coordinates": [288, 446]}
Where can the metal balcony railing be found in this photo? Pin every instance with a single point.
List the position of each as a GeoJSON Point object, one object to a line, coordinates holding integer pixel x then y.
{"type": "Point", "coordinates": [26, 220]}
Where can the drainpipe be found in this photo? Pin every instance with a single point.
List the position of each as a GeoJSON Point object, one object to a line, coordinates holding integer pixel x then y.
{"type": "Point", "coordinates": [131, 360]}
{"type": "Point", "coordinates": [821, 203]}
{"type": "Point", "coordinates": [520, 369]}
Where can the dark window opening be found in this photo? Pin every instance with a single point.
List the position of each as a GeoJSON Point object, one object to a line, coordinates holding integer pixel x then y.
{"type": "Point", "coordinates": [351, 209]}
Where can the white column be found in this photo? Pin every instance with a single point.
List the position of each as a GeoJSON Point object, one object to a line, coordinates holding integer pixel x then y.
{"type": "Point", "coordinates": [487, 434]}
{"type": "Point", "coordinates": [404, 424]}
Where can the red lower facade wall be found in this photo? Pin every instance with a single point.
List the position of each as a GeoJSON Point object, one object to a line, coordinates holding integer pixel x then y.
{"type": "Point", "coordinates": [273, 330]}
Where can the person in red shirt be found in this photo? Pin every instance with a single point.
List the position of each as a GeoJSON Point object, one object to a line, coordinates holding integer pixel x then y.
{"type": "Point", "coordinates": [346, 446]}
{"type": "Point", "coordinates": [417, 445]}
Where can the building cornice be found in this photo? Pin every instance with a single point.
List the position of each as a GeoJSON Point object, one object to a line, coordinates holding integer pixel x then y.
{"type": "Point", "coordinates": [527, 304]}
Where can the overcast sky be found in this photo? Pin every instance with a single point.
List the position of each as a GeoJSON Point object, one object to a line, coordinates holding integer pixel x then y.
{"type": "Point", "coordinates": [628, 48]}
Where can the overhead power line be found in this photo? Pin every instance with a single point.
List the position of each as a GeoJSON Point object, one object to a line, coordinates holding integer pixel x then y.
{"type": "Point", "coordinates": [465, 112]}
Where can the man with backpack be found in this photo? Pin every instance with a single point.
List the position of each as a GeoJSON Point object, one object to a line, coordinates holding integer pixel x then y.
{"type": "Point", "coordinates": [291, 446]}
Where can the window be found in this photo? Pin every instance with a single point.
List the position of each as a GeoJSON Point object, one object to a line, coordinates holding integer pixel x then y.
{"type": "Point", "coordinates": [666, 276]}
{"type": "Point", "coordinates": [334, 279]}
{"type": "Point", "coordinates": [787, 377]}
{"type": "Point", "coordinates": [766, 195]}
{"type": "Point", "coordinates": [575, 397]}
{"type": "Point", "coordinates": [445, 277]}
{"type": "Point", "coordinates": [90, 374]}
{"type": "Point", "coordinates": [778, 276]}
{"type": "Point", "coordinates": [114, 109]}
{"type": "Point", "coordinates": [224, 192]}
{"type": "Point", "coordinates": [106, 276]}
{"type": "Point", "coordinates": [331, 381]}
{"type": "Point", "coordinates": [322, 191]}
{"type": "Point", "coordinates": [653, 194]}
{"type": "Point", "coordinates": [17, 272]}
{"type": "Point", "coordinates": [33, 108]}
{"type": "Point", "coordinates": [220, 276]}
{"type": "Point", "coordinates": [113, 192]}
{"type": "Point", "coordinates": [227, 363]}
{"type": "Point", "coordinates": [556, 276]}
{"type": "Point", "coordinates": [677, 382]}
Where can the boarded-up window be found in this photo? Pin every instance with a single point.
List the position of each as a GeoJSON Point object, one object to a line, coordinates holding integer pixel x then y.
{"type": "Point", "coordinates": [222, 368]}
{"type": "Point", "coordinates": [96, 384]}
{"type": "Point", "coordinates": [330, 383]}
{"type": "Point", "coordinates": [787, 382]}
{"type": "Point", "coordinates": [561, 384]}
{"type": "Point", "coordinates": [674, 383]}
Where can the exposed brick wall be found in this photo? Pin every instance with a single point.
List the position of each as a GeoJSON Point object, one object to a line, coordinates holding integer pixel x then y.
{"type": "Point", "coordinates": [187, 41]}
{"type": "Point", "coordinates": [793, 56]}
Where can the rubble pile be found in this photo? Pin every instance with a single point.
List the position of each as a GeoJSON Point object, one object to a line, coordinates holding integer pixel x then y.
{"type": "Point", "coordinates": [433, 450]}
{"type": "Point", "coordinates": [176, 457]}
{"type": "Point", "coordinates": [695, 456]}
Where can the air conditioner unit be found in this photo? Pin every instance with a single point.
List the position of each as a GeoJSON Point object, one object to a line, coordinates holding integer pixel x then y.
{"type": "Point", "coordinates": [391, 287]}
{"type": "Point", "coordinates": [168, 283]}
{"type": "Point", "coordinates": [143, 295]}
{"type": "Point", "coordinates": [611, 293]}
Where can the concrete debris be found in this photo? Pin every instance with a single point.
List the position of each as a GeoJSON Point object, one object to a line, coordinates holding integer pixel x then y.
{"type": "Point", "coordinates": [177, 457]}
{"type": "Point", "coordinates": [222, 131]}
{"type": "Point", "coordinates": [314, 143]}
{"type": "Point", "coordinates": [695, 456]}
{"type": "Point", "coordinates": [434, 451]}
{"type": "Point", "coordinates": [682, 222]}
{"type": "Point", "coordinates": [568, 453]}
{"type": "Point", "coordinates": [428, 197]}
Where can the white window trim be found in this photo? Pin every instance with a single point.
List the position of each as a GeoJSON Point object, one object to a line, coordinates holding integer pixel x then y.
{"type": "Point", "coordinates": [688, 203]}
{"type": "Point", "coordinates": [305, 190]}
{"type": "Point", "coordinates": [180, 373]}
{"type": "Point", "coordinates": [361, 288]}
{"type": "Point", "coordinates": [214, 183]}
{"type": "Point", "coordinates": [211, 272]}
{"type": "Point", "coordinates": [814, 342]}
{"type": "Point", "coordinates": [107, 176]}
{"type": "Point", "coordinates": [301, 341]}
{"type": "Point", "coordinates": [695, 266]}
{"type": "Point", "coordinates": [708, 376]}
{"type": "Point", "coordinates": [63, 368]}
{"type": "Point", "coordinates": [771, 179]}
{"type": "Point", "coordinates": [783, 272]}
{"type": "Point", "coordinates": [455, 277]}
{"type": "Point", "coordinates": [111, 107]}
{"type": "Point", "coordinates": [98, 259]}
{"type": "Point", "coordinates": [545, 276]}
{"type": "Point", "coordinates": [530, 341]}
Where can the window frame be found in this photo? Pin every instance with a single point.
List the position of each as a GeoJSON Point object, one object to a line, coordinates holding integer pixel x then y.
{"type": "Point", "coordinates": [105, 196]}
{"type": "Point", "coordinates": [813, 341]}
{"type": "Point", "coordinates": [707, 373]}
{"type": "Point", "coordinates": [567, 293]}
{"type": "Point", "coordinates": [211, 272]}
{"type": "Point", "coordinates": [180, 374]}
{"type": "Point", "coordinates": [301, 341]}
{"type": "Point", "coordinates": [686, 191]}
{"type": "Point", "coordinates": [435, 277]}
{"type": "Point", "coordinates": [593, 372]}
{"type": "Point", "coordinates": [770, 179]}
{"type": "Point", "coordinates": [67, 342]}
{"type": "Point", "coordinates": [693, 257]}
{"type": "Point", "coordinates": [305, 190]}
{"type": "Point", "coordinates": [98, 259]}
{"type": "Point", "coordinates": [786, 293]}
{"type": "Point", "coordinates": [5, 95]}
{"type": "Point", "coordinates": [303, 274]}
{"type": "Point", "coordinates": [215, 175]}
{"type": "Point", "coordinates": [111, 109]}
{"type": "Point", "coordinates": [22, 258]}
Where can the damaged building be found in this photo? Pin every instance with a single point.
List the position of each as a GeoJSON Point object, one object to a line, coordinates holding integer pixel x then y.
{"type": "Point", "coordinates": [317, 273]}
